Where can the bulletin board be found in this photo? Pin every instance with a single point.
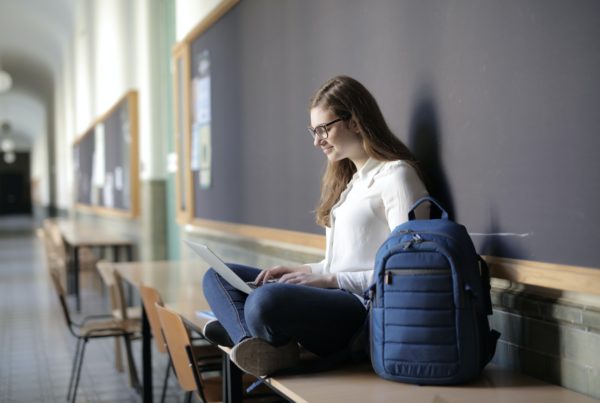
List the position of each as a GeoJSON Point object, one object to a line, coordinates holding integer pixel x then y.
{"type": "Point", "coordinates": [83, 150]}
{"type": "Point", "coordinates": [106, 167]}
{"type": "Point", "coordinates": [198, 177]}
{"type": "Point", "coordinates": [501, 114]}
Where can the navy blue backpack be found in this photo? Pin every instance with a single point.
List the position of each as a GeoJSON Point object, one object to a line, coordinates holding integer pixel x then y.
{"type": "Point", "coordinates": [429, 304]}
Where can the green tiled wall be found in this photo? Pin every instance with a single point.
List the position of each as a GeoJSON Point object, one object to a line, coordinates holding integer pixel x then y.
{"type": "Point", "coordinates": [149, 229]}
{"type": "Point", "coordinates": [554, 340]}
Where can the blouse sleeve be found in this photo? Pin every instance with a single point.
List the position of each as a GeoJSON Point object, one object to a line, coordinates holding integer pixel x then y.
{"type": "Point", "coordinates": [316, 267]}
{"type": "Point", "coordinates": [403, 190]}
{"type": "Point", "coordinates": [319, 267]}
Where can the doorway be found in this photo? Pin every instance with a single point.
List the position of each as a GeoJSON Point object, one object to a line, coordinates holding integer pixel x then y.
{"type": "Point", "coordinates": [15, 188]}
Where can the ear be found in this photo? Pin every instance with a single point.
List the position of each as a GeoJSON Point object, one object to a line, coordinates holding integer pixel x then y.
{"type": "Point", "coordinates": [353, 125]}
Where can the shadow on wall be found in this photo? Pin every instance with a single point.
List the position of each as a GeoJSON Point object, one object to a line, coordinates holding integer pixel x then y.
{"type": "Point", "coordinates": [516, 316]}
{"type": "Point", "coordinates": [424, 141]}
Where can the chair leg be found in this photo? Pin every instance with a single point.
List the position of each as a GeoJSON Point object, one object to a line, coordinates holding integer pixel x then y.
{"type": "Point", "coordinates": [188, 397]}
{"type": "Point", "coordinates": [118, 356]}
{"type": "Point", "coordinates": [192, 364]}
{"type": "Point", "coordinates": [74, 396]}
{"type": "Point", "coordinates": [133, 377]}
{"type": "Point", "coordinates": [166, 381]}
{"type": "Point", "coordinates": [118, 350]}
{"type": "Point", "coordinates": [74, 366]}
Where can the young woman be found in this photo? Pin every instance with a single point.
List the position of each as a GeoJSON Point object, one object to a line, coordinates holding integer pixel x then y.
{"type": "Point", "coordinates": [370, 183]}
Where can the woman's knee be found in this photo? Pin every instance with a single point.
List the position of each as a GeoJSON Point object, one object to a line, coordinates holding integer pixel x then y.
{"type": "Point", "coordinates": [210, 279]}
{"type": "Point", "coordinates": [263, 307]}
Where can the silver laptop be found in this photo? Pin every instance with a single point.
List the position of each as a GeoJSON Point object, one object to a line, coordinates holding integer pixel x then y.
{"type": "Point", "coordinates": [220, 267]}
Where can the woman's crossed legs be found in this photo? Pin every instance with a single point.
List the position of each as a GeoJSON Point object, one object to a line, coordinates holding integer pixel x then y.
{"type": "Point", "coordinates": [322, 320]}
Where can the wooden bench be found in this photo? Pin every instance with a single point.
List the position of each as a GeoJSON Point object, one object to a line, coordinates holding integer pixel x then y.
{"type": "Point", "coordinates": [359, 383]}
{"type": "Point", "coordinates": [179, 284]}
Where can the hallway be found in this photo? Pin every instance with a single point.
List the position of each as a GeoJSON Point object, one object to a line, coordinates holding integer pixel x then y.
{"type": "Point", "coordinates": [36, 349]}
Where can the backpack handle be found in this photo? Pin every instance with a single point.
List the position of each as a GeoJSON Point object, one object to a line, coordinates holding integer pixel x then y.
{"type": "Point", "coordinates": [434, 202]}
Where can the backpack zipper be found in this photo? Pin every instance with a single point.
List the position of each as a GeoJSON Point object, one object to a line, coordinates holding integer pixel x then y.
{"type": "Point", "coordinates": [389, 274]}
{"type": "Point", "coordinates": [416, 234]}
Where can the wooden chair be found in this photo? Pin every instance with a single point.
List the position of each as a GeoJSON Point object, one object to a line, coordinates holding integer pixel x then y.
{"type": "Point", "coordinates": [151, 298]}
{"type": "Point", "coordinates": [188, 368]}
{"type": "Point", "coordinates": [53, 260]}
{"type": "Point", "coordinates": [92, 327]}
{"type": "Point", "coordinates": [54, 239]}
{"type": "Point", "coordinates": [120, 311]}
{"type": "Point", "coordinates": [55, 246]}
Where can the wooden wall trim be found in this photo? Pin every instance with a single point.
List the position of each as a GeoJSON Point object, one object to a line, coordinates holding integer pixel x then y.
{"type": "Point", "coordinates": [221, 9]}
{"type": "Point", "coordinates": [105, 211]}
{"type": "Point", "coordinates": [257, 233]}
{"type": "Point", "coordinates": [182, 179]}
{"type": "Point", "coordinates": [102, 117]}
{"type": "Point", "coordinates": [548, 275]}
{"type": "Point", "coordinates": [134, 154]}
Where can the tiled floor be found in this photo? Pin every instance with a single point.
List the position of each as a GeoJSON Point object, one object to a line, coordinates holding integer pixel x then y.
{"type": "Point", "coordinates": [36, 350]}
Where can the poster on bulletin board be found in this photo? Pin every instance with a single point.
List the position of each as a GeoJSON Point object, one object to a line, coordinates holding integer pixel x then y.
{"type": "Point", "coordinates": [200, 159]}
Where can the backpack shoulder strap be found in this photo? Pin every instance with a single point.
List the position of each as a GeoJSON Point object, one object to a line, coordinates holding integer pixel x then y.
{"type": "Point", "coordinates": [486, 288]}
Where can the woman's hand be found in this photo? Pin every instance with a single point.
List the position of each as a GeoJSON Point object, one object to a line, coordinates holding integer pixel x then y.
{"type": "Point", "coordinates": [311, 279]}
{"type": "Point", "coordinates": [278, 271]}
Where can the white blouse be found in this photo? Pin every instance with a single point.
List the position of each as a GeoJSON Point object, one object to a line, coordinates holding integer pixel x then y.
{"type": "Point", "coordinates": [375, 201]}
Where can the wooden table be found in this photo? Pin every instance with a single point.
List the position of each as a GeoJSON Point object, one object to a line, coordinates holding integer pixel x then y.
{"type": "Point", "coordinates": [179, 284]}
{"type": "Point", "coordinates": [77, 235]}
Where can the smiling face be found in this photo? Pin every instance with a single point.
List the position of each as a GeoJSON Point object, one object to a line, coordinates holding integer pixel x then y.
{"type": "Point", "coordinates": [344, 139]}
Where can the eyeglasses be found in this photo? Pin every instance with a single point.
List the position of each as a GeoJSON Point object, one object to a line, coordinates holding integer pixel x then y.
{"type": "Point", "coordinates": [321, 130]}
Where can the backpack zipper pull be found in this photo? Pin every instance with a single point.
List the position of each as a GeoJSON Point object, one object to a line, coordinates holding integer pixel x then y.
{"type": "Point", "coordinates": [416, 238]}
{"type": "Point", "coordinates": [388, 278]}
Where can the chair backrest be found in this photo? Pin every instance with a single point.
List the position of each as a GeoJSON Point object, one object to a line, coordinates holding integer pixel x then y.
{"type": "Point", "coordinates": [55, 240]}
{"type": "Point", "coordinates": [120, 295]}
{"type": "Point", "coordinates": [48, 250]}
{"type": "Point", "coordinates": [113, 281]}
{"type": "Point", "coordinates": [55, 276]}
{"type": "Point", "coordinates": [178, 341]}
{"type": "Point", "coordinates": [150, 298]}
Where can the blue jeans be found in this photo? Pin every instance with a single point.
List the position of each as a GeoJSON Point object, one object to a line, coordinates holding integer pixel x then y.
{"type": "Point", "coordinates": [322, 320]}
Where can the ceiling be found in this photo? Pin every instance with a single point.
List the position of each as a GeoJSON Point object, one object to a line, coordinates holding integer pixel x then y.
{"type": "Point", "coordinates": [35, 36]}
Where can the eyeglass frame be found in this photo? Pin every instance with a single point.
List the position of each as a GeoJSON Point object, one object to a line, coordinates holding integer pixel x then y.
{"type": "Point", "coordinates": [314, 134]}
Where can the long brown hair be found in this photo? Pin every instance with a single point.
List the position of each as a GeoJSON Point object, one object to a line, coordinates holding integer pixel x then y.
{"type": "Point", "coordinates": [346, 97]}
